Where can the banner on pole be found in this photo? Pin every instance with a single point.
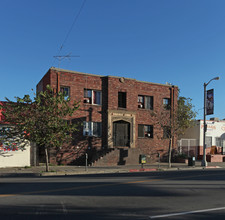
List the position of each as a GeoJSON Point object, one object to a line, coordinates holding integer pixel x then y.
{"type": "Point", "coordinates": [210, 102]}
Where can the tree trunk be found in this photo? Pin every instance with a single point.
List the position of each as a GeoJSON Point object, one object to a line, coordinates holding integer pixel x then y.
{"type": "Point", "coordinates": [169, 153]}
{"type": "Point", "coordinates": [46, 159]}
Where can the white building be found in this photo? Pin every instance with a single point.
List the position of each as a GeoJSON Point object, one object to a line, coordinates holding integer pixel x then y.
{"type": "Point", "coordinates": [12, 156]}
{"type": "Point", "coordinates": [191, 143]}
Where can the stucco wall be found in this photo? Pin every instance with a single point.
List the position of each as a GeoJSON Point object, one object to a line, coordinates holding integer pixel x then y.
{"type": "Point", "coordinates": [15, 158]}
{"type": "Point", "coordinates": [192, 133]}
{"type": "Point", "coordinates": [215, 129]}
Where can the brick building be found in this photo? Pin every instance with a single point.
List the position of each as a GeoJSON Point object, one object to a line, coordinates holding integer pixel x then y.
{"type": "Point", "coordinates": [115, 117]}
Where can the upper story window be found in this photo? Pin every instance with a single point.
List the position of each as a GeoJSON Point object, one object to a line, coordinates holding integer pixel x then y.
{"type": "Point", "coordinates": [167, 103]}
{"type": "Point", "coordinates": [65, 91]}
{"type": "Point", "coordinates": [92, 96]}
{"type": "Point", "coordinates": [92, 128]}
{"type": "Point", "coordinates": [145, 102]}
{"type": "Point", "coordinates": [122, 96]}
{"type": "Point", "coordinates": [145, 131]}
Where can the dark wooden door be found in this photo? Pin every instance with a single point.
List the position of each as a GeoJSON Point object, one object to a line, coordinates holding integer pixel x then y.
{"type": "Point", "coordinates": [121, 134]}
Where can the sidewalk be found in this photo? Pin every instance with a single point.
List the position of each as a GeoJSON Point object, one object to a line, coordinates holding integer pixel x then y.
{"type": "Point", "coordinates": [78, 170]}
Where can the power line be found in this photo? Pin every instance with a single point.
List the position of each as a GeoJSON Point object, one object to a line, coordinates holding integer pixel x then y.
{"type": "Point", "coordinates": [59, 58]}
{"type": "Point", "coordinates": [71, 28]}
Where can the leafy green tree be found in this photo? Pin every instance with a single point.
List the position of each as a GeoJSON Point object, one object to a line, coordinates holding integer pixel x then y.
{"type": "Point", "coordinates": [175, 122]}
{"type": "Point", "coordinates": [184, 116]}
{"type": "Point", "coordinates": [41, 120]}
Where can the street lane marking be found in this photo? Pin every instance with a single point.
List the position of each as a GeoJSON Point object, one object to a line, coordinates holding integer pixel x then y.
{"type": "Point", "coordinates": [7, 195]}
{"type": "Point", "coordinates": [64, 208]}
{"type": "Point", "coordinates": [38, 212]}
{"type": "Point", "coordinates": [186, 213]}
{"type": "Point", "coordinates": [142, 181]}
{"type": "Point", "coordinates": [75, 188]}
{"type": "Point", "coordinates": [102, 185]}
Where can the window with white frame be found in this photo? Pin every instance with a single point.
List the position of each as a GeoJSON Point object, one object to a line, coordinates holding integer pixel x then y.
{"type": "Point", "coordinates": [92, 96]}
{"type": "Point", "coordinates": [145, 102]}
{"type": "Point", "coordinates": [92, 128]}
{"type": "Point", "coordinates": [145, 131]}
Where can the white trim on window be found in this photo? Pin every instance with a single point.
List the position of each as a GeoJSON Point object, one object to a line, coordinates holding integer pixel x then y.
{"type": "Point", "coordinates": [91, 128]}
{"type": "Point", "coordinates": [93, 97]}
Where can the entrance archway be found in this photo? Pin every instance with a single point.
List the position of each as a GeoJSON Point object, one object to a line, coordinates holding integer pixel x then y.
{"type": "Point", "coordinates": [121, 134]}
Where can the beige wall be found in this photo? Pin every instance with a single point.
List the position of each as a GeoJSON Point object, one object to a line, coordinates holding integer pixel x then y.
{"type": "Point", "coordinates": [15, 158]}
{"type": "Point", "coordinates": [192, 133]}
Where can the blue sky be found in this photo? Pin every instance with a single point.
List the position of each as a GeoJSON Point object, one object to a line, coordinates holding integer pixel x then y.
{"type": "Point", "coordinates": [177, 41]}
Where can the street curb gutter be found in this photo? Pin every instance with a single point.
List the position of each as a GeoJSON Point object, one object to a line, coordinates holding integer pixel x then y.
{"type": "Point", "coordinates": [88, 172]}
{"type": "Point", "coordinates": [142, 170]}
{"type": "Point", "coordinates": [125, 171]}
{"type": "Point", "coordinates": [173, 169]}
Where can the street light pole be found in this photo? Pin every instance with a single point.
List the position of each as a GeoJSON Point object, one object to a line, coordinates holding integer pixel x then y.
{"type": "Point", "coordinates": [204, 161]}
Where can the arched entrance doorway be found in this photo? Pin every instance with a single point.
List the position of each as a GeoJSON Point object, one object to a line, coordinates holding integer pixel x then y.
{"type": "Point", "coordinates": [121, 134]}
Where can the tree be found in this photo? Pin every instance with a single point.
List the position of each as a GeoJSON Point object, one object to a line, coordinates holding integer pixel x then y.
{"type": "Point", "coordinates": [174, 122]}
{"type": "Point", "coordinates": [42, 120]}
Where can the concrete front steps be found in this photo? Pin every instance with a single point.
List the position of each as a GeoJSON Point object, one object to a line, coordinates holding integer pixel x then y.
{"type": "Point", "coordinates": [119, 156]}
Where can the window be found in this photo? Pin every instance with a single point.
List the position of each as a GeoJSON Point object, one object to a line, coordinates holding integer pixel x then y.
{"type": "Point", "coordinates": [166, 132]}
{"type": "Point", "coordinates": [145, 102]}
{"type": "Point", "coordinates": [208, 141]}
{"type": "Point", "coordinates": [92, 96]}
{"type": "Point", "coordinates": [145, 131]}
{"type": "Point", "coordinates": [218, 142]}
{"type": "Point", "coordinates": [166, 103]}
{"type": "Point", "coordinates": [92, 129]}
{"type": "Point", "coordinates": [141, 101]}
{"type": "Point", "coordinates": [65, 91]}
{"type": "Point", "coordinates": [122, 99]}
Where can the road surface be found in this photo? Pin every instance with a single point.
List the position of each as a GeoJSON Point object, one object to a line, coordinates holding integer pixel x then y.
{"type": "Point", "coordinates": [197, 194]}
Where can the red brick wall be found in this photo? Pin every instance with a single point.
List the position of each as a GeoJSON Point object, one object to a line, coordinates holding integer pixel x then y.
{"type": "Point", "coordinates": [44, 82]}
{"type": "Point", "coordinates": [128, 86]}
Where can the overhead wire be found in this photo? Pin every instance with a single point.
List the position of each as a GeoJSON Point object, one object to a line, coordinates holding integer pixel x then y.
{"type": "Point", "coordinates": [71, 28]}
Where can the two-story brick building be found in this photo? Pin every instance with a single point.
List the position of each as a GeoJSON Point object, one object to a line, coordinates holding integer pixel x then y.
{"type": "Point", "coordinates": [115, 116]}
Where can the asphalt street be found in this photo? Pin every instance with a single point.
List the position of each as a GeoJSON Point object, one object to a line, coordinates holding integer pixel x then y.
{"type": "Point", "coordinates": [194, 194]}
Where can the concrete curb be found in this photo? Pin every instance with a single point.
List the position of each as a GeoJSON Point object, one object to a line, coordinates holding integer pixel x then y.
{"type": "Point", "coordinates": [143, 170]}
{"type": "Point", "coordinates": [20, 174]}
{"type": "Point", "coordinates": [99, 171]}
{"type": "Point", "coordinates": [60, 173]}
{"type": "Point", "coordinates": [212, 167]}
